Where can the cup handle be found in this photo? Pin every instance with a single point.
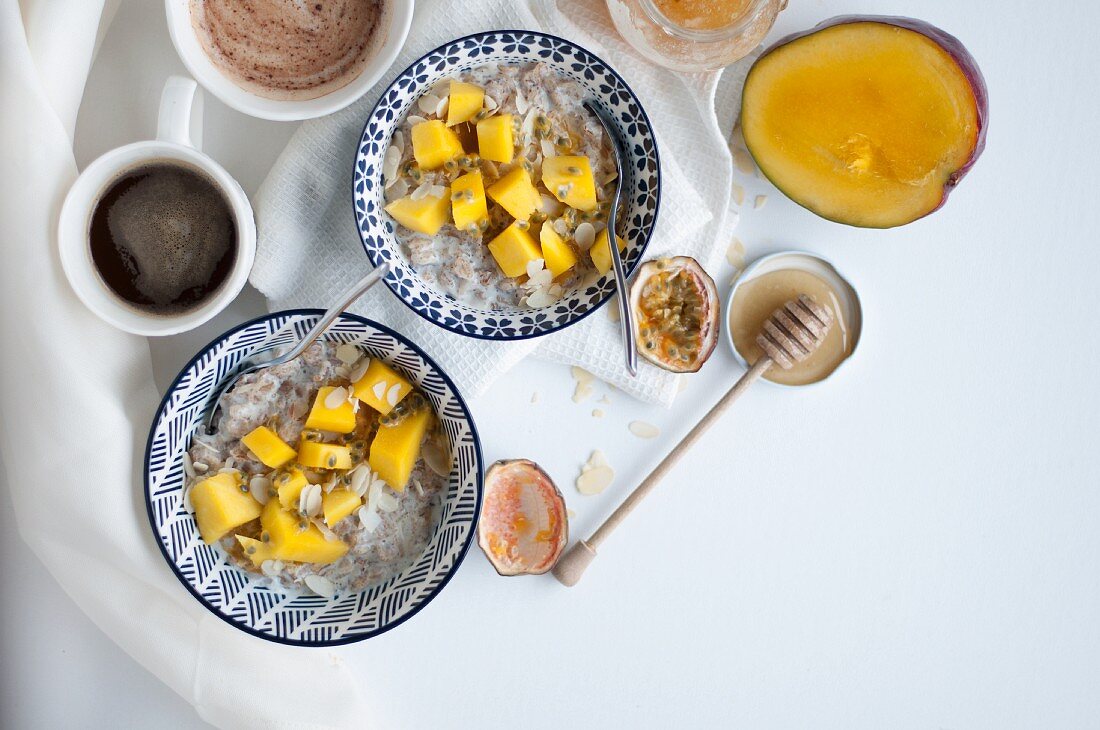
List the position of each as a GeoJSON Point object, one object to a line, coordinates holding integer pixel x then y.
{"type": "Point", "coordinates": [174, 120]}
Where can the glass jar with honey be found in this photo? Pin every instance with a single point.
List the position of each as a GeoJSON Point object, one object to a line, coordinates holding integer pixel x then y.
{"type": "Point", "coordinates": [694, 35]}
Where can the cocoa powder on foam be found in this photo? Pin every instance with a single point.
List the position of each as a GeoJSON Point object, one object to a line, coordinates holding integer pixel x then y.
{"type": "Point", "coordinates": [289, 49]}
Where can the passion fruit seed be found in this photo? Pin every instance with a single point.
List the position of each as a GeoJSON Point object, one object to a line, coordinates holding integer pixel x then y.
{"type": "Point", "coordinates": [450, 165]}
{"type": "Point", "coordinates": [265, 536]}
{"type": "Point", "coordinates": [244, 488]}
{"type": "Point", "coordinates": [522, 225]}
{"type": "Point", "coordinates": [311, 435]}
{"type": "Point", "coordinates": [331, 462]}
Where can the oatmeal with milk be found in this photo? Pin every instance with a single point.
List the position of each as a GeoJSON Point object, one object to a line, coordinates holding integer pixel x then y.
{"type": "Point", "coordinates": [325, 472]}
{"type": "Point", "coordinates": [500, 183]}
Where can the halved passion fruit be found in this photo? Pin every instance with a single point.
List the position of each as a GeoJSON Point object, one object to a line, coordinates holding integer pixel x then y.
{"type": "Point", "coordinates": [523, 527]}
{"type": "Point", "coordinates": [675, 307]}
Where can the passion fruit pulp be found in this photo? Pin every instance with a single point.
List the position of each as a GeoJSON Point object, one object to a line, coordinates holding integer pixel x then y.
{"type": "Point", "coordinates": [523, 527]}
{"type": "Point", "coordinates": [675, 306]}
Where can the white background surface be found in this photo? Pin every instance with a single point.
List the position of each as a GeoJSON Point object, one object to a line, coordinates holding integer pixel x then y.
{"type": "Point", "coordinates": [915, 544]}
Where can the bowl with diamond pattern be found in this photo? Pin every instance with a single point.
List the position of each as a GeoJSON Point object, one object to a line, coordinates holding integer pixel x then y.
{"type": "Point", "coordinates": [641, 192]}
{"type": "Point", "coordinates": [244, 599]}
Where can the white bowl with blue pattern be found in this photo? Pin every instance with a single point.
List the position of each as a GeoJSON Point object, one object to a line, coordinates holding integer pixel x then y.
{"type": "Point", "coordinates": [641, 190]}
{"type": "Point", "coordinates": [240, 597]}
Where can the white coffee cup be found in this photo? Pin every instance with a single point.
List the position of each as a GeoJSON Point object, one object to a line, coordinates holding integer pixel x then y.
{"type": "Point", "coordinates": [394, 29]}
{"type": "Point", "coordinates": [175, 142]}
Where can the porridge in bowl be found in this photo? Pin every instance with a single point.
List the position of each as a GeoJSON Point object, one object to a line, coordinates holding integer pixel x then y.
{"type": "Point", "coordinates": [325, 473]}
{"type": "Point", "coordinates": [499, 183]}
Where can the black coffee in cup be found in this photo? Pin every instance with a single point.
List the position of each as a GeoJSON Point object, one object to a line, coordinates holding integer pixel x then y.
{"type": "Point", "coordinates": [163, 238]}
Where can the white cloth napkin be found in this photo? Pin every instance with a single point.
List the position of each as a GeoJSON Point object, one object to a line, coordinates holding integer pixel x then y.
{"type": "Point", "coordinates": [77, 397]}
{"type": "Point", "coordinates": [309, 249]}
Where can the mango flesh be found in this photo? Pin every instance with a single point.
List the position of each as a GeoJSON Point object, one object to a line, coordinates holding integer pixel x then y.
{"type": "Point", "coordinates": [434, 144]}
{"type": "Point", "coordinates": [381, 387]}
{"type": "Point", "coordinates": [426, 215]}
{"type": "Point", "coordinates": [468, 207]}
{"type": "Point", "coordinates": [569, 179]}
{"type": "Point", "coordinates": [868, 122]}
{"type": "Point", "coordinates": [296, 539]}
{"type": "Point", "coordinates": [289, 485]}
{"type": "Point", "coordinates": [558, 255]}
{"type": "Point", "coordinates": [395, 449]}
{"type": "Point", "coordinates": [465, 101]}
{"type": "Point", "coordinates": [266, 446]}
{"type": "Point", "coordinates": [513, 249]}
{"type": "Point", "coordinates": [338, 504]}
{"type": "Point", "coordinates": [601, 251]}
{"type": "Point", "coordinates": [255, 550]}
{"type": "Point", "coordinates": [494, 138]}
{"type": "Point", "coordinates": [338, 420]}
{"type": "Point", "coordinates": [315, 455]}
{"type": "Point", "coordinates": [516, 194]}
{"type": "Point", "coordinates": [220, 505]}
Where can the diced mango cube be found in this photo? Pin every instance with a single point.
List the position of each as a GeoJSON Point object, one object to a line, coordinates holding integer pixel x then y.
{"type": "Point", "coordinates": [395, 449]}
{"type": "Point", "coordinates": [601, 251]}
{"type": "Point", "coordinates": [494, 138]}
{"type": "Point", "coordinates": [255, 550]}
{"type": "Point", "coordinates": [266, 446]}
{"type": "Point", "coordinates": [466, 101]}
{"type": "Point", "coordinates": [468, 205]}
{"type": "Point", "coordinates": [514, 249]}
{"type": "Point", "coordinates": [289, 484]}
{"type": "Point", "coordinates": [294, 538]}
{"type": "Point", "coordinates": [338, 504]}
{"type": "Point", "coordinates": [434, 144]}
{"type": "Point", "coordinates": [315, 455]}
{"type": "Point", "coordinates": [220, 505]}
{"type": "Point", "coordinates": [569, 179]}
{"type": "Point", "coordinates": [558, 255]}
{"type": "Point", "coordinates": [381, 387]}
{"type": "Point", "coordinates": [340, 419]}
{"type": "Point", "coordinates": [516, 194]}
{"type": "Point", "coordinates": [426, 215]}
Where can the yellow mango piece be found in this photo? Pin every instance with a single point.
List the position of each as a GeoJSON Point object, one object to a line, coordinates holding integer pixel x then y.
{"type": "Point", "coordinates": [338, 504]}
{"type": "Point", "coordinates": [290, 484]}
{"type": "Point", "coordinates": [569, 179]}
{"type": "Point", "coordinates": [256, 550]}
{"type": "Point", "coordinates": [294, 538]}
{"type": "Point", "coordinates": [494, 138]}
{"type": "Point", "coordinates": [315, 455]}
{"type": "Point", "coordinates": [601, 251]}
{"type": "Point", "coordinates": [220, 505]}
{"type": "Point", "coordinates": [516, 194]}
{"type": "Point", "coordinates": [395, 449]}
{"type": "Point", "coordinates": [558, 255]}
{"type": "Point", "coordinates": [266, 446]}
{"type": "Point", "coordinates": [513, 249]}
{"type": "Point", "coordinates": [434, 144]}
{"type": "Point", "coordinates": [468, 205]}
{"type": "Point", "coordinates": [426, 215]}
{"type": "Point", "coordinates": [466, 101]}
{"type": "Point", "coordinates": [381, 387]}
{"type": "Point", "coordinates": [338, 420]}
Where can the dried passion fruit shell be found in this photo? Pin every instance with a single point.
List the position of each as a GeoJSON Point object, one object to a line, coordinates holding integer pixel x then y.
{"type": "Point", "coordinates": [675, 307]}
{"type": "Point", "coordinates": [523, 527]}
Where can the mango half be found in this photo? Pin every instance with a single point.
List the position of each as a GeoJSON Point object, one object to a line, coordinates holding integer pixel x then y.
{"type": "Point", "coordinates": [866, 120]}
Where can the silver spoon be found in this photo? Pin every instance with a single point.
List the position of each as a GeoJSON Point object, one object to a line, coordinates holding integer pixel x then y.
{"type": "Point", "coordinates": [625, 317]}
{"type": "Point", "coordinates": [248, 366]}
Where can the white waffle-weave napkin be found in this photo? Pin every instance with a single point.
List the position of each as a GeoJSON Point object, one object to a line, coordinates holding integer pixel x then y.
{"type": "Point", "coordinates": [309, 249]}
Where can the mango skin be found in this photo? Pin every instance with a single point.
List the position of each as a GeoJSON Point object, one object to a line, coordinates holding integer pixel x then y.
{"type": "Point", "coordinates": [220, 506]}
{"type": "Point", "coordinates": [395, 449]}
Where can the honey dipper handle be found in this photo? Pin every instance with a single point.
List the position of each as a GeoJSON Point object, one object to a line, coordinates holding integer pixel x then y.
{"type": "Point", "coordinates": [571, 566]}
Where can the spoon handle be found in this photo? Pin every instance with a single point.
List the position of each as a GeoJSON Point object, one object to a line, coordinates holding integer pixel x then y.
{"type": "Point", "coordinates": [572, 565]}
{"type": "Point", "coordinates": [337, 309]}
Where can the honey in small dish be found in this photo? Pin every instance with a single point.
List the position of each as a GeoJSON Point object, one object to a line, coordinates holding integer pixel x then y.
{"type": "Point", "coordinates": [757, 298]}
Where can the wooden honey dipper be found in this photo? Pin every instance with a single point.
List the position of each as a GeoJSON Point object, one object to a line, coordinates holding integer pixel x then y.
{"type": "Point", "coordinates": [791, 334]}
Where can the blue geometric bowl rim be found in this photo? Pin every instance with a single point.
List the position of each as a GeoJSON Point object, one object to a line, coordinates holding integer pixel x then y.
{"type": "Point", "coordinates": [641, 250]}
{"type": "Point", "coordinates": [329, 642]}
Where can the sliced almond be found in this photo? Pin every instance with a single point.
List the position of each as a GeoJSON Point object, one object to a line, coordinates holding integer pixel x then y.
{"type": "Point", "coordinates": [644, 430]}
{"type": "Point", "coordinates": [428, 103]}
{"type": "Point", "coordinates": [320, 585]}
{"type": "Point", "coordinates": [336, 398]}
{"type": "Point", "coordinates": [260, 487]}
{"type": "Point", "coordinates": [585, 235]}
{"type": "Point", "coordinates": [595, 480]}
